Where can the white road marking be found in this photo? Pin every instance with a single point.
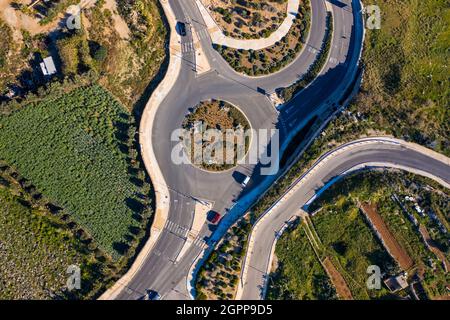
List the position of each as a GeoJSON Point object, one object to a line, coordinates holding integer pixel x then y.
{"type": "Point", "coordinates": [187, 47]}
{"type": "Point", "coordinates": [177, 229]}
{"type": "Point", "coordinates": [312, 50]}
{"type": "Point", "coordinates": [199, 242]}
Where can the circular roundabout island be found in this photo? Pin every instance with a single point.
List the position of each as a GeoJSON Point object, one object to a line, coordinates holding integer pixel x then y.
{"type": "Point", "coordinates": [216, 135]}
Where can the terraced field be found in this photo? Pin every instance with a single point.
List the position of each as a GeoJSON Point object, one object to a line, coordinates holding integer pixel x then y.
{"type": "Point", "coordinates": [349, 239]}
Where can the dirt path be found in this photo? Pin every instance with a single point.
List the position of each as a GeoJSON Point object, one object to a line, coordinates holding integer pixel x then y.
{"type": "Point", "coordinates": [119, 24]}
{"type": "Point", "coordinates": [338, 281]}
{"type": "Point", "coordinates": [432, 246]}
{"type": "Point", "coordinates": [18, 20]}
{"type": "Point", "coordinates": [388, 239]}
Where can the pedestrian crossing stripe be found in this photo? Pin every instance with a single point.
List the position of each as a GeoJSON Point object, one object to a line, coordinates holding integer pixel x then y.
{"type": "Point", "coordinates": [183, 232]}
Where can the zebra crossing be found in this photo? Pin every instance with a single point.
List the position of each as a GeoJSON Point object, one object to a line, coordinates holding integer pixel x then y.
{"type": "Point", "coordinates": [199, 242]}
{"type": "Point", "coordinates": [187, 47]}
{"type": "Point", "coordinates": [183, 233]}
{"type": "Point", "coordinates": [202, 34]}
{"type": "Point", "coordinates": [177, 229]}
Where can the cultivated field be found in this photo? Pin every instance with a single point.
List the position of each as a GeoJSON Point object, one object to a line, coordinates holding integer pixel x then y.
{"type": "Point", "coordinates": [346, 245]}
{"type": "Point", "coordinates": [37, 245]}
{"type": "Point", "coordinates": [77, 148]}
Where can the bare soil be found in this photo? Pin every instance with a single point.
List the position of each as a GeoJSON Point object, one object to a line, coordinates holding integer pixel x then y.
{"type": "Point", "coordinates": [338, 281]}
{"type": "Point", "coordinates": [389, 241]}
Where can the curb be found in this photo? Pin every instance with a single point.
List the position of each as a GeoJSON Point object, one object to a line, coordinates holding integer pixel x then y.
{"type": "Point", "coordinates": [149, 158]}
{"type": "Point", "coordinates": [298, 54]}
{"type": "Point", "coordinates": [218, 36]}
{"type": "Point", "coordinates": [324, 158]}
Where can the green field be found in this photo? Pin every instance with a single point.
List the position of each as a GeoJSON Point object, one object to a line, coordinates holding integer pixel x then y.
{"type": "Point", "coordinates": [347, 236]}
{"type": "Point", "coordinates": [406, 86]}
{"type": "Point", "coordinates": [299, 275]}
{"type": "Point", "coordinates": [37, 248]}
{"type": "Point", "coordinates": [77, 149]}
{"type": "Point", "coordinates": [351, 243]}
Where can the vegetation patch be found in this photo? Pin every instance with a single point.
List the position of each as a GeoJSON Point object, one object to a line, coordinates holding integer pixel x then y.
{"type": "Point", "coordinates": [207, 127]}
{"type": "Point", "coordinates": [244, 19]}
{"type": "Point", "coordinates": [388, 192]}
{"type": "Point", "coordinates": [38, 244]}
{"type": "Point", "coordinates": [13, 57]}
{"type": "Point", "coordinates": [353, 245]}
{"type": "Point", "coordinates": [218, 277]}
{"type": "Point", "coordinates": [406, 85]}
{"type": "Point", "coordinates": [46, 11]}
{"type": "Point", "coordinates": [300, 275]}
{"type": "Point", "coordinates": [5, 46]}
{"type": "Point", "coordinates": [74, 54]}
{"type": "Point", "coordinates": [273, 58]}
{"type": "Point", "coordinates": [78, 149]}
{"type": "Point", "coordinates": [128, 66]}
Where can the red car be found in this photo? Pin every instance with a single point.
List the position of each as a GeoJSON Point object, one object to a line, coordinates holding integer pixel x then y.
{"type": "Point", "coordinates": [214, 217]}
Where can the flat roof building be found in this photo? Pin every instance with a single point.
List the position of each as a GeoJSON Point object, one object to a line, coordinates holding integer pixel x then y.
{"type": "Point", "coordinates": [48, 66]}
{"type": "Point", "coordinates": [397, 283]}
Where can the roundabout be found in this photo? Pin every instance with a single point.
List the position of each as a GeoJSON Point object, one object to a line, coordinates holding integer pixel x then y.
{"type": "Point", "coordinates": [216, 136]}
{"type": "Point", "coordinates": [167, 264]}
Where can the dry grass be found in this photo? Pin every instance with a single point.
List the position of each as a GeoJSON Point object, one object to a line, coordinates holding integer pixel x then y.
{"type": "Point", "coordinates": [275, 57]}
{"type": "Point", "coordinates": [248, 19]}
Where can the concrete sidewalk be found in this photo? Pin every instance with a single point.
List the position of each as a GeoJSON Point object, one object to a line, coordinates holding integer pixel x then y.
{"type": "Point", "coordinates": [218, 37]}
{"type": "Point", "coordinates": [150, 162]}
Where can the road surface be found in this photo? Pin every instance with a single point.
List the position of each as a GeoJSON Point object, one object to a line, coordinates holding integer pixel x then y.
{"type": "Point", "coordinates": [161, 271]}
{"type": "Point", "coordinates": [375, 152]}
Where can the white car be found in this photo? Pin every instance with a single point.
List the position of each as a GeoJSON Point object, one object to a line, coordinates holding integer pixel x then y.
{"type": "Point", "coordinates": [245, 182]}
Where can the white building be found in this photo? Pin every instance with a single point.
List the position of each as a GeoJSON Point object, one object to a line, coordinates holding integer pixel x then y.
{"type": "Point", "coordinates": [48, 66]}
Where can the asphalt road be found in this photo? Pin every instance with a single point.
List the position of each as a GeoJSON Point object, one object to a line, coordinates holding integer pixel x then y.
{"type": "Point", "coordinates": [386, 154]}
{"type": "Point", "coordinates": [161, 272]}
